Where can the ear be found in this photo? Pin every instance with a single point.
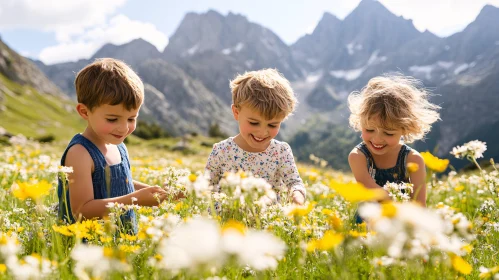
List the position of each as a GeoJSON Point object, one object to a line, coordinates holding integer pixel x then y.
{"type": "Point", "coordinates": [82, 110]}
{"type": "Point", "coordinates": [235, 112]}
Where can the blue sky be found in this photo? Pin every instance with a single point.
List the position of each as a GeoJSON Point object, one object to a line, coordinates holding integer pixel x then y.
{"type": "Point", "coordinates": [60, 30]}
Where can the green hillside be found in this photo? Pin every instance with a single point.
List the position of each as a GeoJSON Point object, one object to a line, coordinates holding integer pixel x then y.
{"type": "Point", "coordinates": [24, 110]}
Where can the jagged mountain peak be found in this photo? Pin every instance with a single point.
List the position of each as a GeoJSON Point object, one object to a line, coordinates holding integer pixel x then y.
{"type": "Point", "coordinates": [488, 10]}
{"type": "Point", "coordinates": [135, 44]}
{"type": "Point", "coordinates": [133, 52]}
{"type": "Point", "coordinates": [369, 7]}
{"type": "Point", "coordinates": [328, 17]}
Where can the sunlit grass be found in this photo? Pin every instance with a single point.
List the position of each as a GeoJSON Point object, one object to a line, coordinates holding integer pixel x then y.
{"type": "Point", "coordinates": [457, 236]}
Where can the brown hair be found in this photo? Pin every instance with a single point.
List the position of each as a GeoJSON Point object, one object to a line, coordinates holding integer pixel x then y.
{"type": "Point", "coordinates": [398, 102]}
{"type": "Point", "coordinates": [109, 81]}
{"type": "Point", "coordinates": [266, 91]}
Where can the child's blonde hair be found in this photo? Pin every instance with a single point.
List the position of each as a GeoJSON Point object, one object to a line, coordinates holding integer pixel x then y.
{"type": "Point", "coordinates": [397, 102]}
{"type": "Point", "coordinates": [109, 81]}
{"type": "Point", "coordinates": [266, 91]}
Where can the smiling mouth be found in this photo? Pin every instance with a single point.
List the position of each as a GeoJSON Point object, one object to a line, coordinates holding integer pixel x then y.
{"type": "Point", "coordinates": [259, 140]}
{"type": "Point", "coordinates": [377, 147]}
{"type": "Point", "coordinates": [117, 136]}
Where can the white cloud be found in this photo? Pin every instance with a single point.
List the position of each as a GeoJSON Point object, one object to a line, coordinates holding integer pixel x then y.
{"type": "Point", "coordinates": [52, 15]}
{"type": "Point", "coordinates": [83, 44]}
{"type": "Point", "coordinates": [440, 17]}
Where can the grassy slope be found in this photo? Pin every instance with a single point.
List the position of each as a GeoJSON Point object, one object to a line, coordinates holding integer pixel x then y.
{"type": "Point", "coordinates": [33, 114]}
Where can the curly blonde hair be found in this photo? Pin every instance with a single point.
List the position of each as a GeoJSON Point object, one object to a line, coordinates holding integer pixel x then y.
{"type": "Point", "coordinates": [398, 102]}
{"type": "Point", "coordinates": [109, 81]}
{"type": "Point", "coordinates": [266, 91]}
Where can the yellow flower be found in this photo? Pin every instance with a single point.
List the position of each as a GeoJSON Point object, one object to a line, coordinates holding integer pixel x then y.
{"type": "Point", "coordinates": [106, 239]}
{"type": "Point", "coordinates": [460, 264]}
{"type": "Point", "coordinates": [334, 221]}
{"type": "Point", "coordinates": [459, 188]}
{"type": "Point", "coordinates": [145, 211]}
{"type": "Point", "coordinates": [180, 206]}
{"type": "Point", "coordinates": [234, 225]}
{"type": "Point", "coordinates": [192, 177]}
{"type": "Point", "coordinates": [35, 191]}
{"type": "Point", "coordinates": [108, 252]}
{"type": "Point", "coordinates": [468, 248]}
{"type": "Point", "coordinates": [329, 241]}
{"type": "Point", "coordinates": [356, 192]}
{"type": "Point", "coordinates": [388, 210]}
{"type": "Point", "coordinates": [412, 167]}
{"type": "Point", "coordinates": [242, 174]}
{"type": "Point", "coordinates": [356, 234]}
{"type": "Point", "coordinates": [300, 211]}
{"type": "Point", "coordinates": [128, 237]}
{"type": "Point", "coordinates": [434, 163]}
{"type": "Point", "coordinates": [129, 248]}
{"type": "Point", "coordinates": [62, 230]}
{"type": "Point", "coordinates": [3, 268]}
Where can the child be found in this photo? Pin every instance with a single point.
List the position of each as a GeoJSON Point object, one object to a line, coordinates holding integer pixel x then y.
{"type": "Point", "coordinates": [390, 111]}
{"type": "Point", "coordinates": [262, 100]}
{"type": "Point", "coordinates": [109, 98]}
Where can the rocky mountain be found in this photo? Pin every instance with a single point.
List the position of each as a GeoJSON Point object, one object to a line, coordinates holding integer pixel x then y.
{"type": "Point", "coordinates": [460, 70]}
{"type": "Point", "coordinates": [134, 52]}
{"type": "Point", "coordinates": [63, 74]}
{"type": "Point", "coordinates": [22, 71]}
{"type": "Point", "coordinates": [214, 48]}
{"type": "Point", "coordinates": [187, 85]}
{"type": "Point", "coordinates": [312, 49]}
{"type": "Point", "coordinates": [180, 103]}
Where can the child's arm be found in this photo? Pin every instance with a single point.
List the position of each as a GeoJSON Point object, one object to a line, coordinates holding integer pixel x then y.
{"type": "Point", "coordinates": [291, 177]}
{"type": "Point", "coordinates": [418, 178]}
{"type": "Point", "coordinates": [358, 164]}
{"type": "Point", "coordinates": [213, 167]}
{"type": "Point", "coordinates": [81, 192]}
{"type": "Point", "coordinates": [139, 185]}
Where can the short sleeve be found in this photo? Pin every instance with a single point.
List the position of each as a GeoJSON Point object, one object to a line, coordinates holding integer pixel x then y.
{"type": "Point", "coordinates": [289, 172]}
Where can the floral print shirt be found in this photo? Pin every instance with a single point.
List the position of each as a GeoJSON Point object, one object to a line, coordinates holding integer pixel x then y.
{"type": "Point", "coordinates": [276, 164]}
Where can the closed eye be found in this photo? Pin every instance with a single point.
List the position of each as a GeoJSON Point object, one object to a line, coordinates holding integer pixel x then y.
{"type": "Point", "coordinates": [253, 123]}
{"type": "Point", "coordinates": [369, 130]}
{"type": "Point", "coordinates": [111, 120]}
{"type": "Point", "coordinates": [272, 125]}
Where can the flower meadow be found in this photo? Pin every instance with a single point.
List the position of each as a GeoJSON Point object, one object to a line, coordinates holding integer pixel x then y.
{"type": "Point", "coordinates": [249, 230]}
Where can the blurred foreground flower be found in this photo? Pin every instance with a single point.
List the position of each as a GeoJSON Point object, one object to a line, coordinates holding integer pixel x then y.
{"type": "Point", "coordinates": [472, 150]}
{"type": "Point", "coordinates": [434, 163]}
{"type": "Point", "coordinates": [356, 192]}
{"type": "Point", "coordinates": [460, 264]}
{"type": "Point", "coordinates": [35, 190]}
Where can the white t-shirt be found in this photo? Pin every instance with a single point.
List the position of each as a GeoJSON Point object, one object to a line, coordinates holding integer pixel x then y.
{"type": "Point", "coordinates": [276, 164]}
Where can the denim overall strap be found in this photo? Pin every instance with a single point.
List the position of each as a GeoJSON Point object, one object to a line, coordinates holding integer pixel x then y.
{"type": "Point", "coordinates": [65, 213]}
{"type": "Point", "coordinates": [396, 174]}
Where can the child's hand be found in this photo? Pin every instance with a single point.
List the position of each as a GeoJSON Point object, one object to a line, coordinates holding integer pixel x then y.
{"type": "Point", "coordinates": [298, 198]}
{"type": "Point", "coordinates": [150, 196]}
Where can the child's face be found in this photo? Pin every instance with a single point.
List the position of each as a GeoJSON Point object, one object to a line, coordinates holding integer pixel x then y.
{"type": "Point", "coordinates": [254, 129]}
{"type": "Point", "coordinates": [112, 123]}
{"type": "Point", "coordinates": [379, 140]}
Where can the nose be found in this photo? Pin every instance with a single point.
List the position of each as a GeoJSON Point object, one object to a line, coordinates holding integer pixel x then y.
{"type": "Point", "coordinates": [123, 128]}
{"type": "Point", "coordinates": [378, 137]}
